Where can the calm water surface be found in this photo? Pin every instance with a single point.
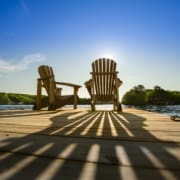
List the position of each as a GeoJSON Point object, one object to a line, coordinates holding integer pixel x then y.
{"type": "Point", "coordinates": [168, 109]}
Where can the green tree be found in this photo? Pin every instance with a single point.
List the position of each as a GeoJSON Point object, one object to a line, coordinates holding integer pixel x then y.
{"type": "Point", "coordinates": [136, 96]}
{"type": "Point", "coordinates": [158, 96]}
{"type": "Point", "coordinates": [139, 88]}
{"type": "Point", "coordinates": [4, 99]}
{"type": "Point", "coordinates": [21, 98]}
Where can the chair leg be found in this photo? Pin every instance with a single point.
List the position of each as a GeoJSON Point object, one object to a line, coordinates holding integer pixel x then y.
{"type": "Point", "coordinates": [75, 97]}
{"type": "Point", "coordinates": [52, 97]}
{"type": "Point", "coordinates": [93, 106]}
{"type": "Point", "coordinates": [114, 106]}
{"type": "Point", "coordinates": [37, 106]}
{"type": "Point", "coordinates": [119, 109]}
{"type": "Point", "coordinates": [51, 107]}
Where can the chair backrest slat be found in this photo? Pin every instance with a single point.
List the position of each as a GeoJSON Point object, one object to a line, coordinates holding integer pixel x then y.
{"type": "Point", "coordinates": [95, 78]}
{"type": "Point", "coordinates": [112, 76]}
{"type": "Point", "coordinates": [103, 74]}
{"type": "Point", "coordinates": [108, 77]}
{"type": "Point", "coordinates": [100, 78]}
{"type": "Point", "coordinates": [47, 75]}
{"type": "Point", "coordinates": [104, 78]}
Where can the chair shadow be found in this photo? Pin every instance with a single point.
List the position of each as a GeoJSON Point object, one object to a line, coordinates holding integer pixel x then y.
{"type": "Point", "coordinates": [20, 113]}
{"type": "Point", "coordinates": [89, 145]}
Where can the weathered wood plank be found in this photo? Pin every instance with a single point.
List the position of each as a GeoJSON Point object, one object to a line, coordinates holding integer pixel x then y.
{"type": "Point", "coordinates": [91, 145]}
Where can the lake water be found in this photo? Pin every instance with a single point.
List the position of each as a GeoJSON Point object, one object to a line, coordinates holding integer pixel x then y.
{"type": "Point", "coordinates": [168, 110]}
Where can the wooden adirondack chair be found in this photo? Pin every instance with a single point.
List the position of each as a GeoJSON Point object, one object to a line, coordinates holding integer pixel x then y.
{"type": "Point", "coordinates": [104, 85]}
{"type": "Point", "coordinates": [55, 100]}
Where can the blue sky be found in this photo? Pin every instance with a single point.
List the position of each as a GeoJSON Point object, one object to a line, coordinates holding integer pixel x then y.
{"type": "Point", "coordinates": [143, 36]}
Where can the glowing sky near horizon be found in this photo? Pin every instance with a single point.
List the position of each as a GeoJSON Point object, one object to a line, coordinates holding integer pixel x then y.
{"type": "Point", "coordinates": [142, 36]}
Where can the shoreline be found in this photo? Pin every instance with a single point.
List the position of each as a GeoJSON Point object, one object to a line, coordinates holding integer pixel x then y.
{"type": "Point", "coordinates": [169, 110]}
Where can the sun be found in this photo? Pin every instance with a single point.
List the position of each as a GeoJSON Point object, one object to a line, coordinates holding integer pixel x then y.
{"type": "Point", "coordinates": [108, 55]}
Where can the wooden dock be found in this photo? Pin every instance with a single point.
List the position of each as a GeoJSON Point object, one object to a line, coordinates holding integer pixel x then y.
{"type": "Point", "coordinates": [79, 144]}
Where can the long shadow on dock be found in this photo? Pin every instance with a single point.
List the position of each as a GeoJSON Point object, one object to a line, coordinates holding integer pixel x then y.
{"type": "Point", "coordinates": [92, 145]}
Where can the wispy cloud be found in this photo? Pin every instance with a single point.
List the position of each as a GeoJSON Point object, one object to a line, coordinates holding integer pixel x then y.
{"type": "Point", "coordinates": [7, 66]}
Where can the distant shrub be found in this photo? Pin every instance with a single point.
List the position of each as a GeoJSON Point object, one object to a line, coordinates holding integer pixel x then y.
{"type": "Point", "coordinates": [12, 98]}
{"type": "Point", "coordinates": [138, 95]}
{"type": "Point", "coordinates": [4, 99]}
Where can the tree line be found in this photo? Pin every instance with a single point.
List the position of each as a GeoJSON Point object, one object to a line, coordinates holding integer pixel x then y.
{"type": "Point", "coordinates": [14, 98]}
{"type": "Point", "coordinates": [138, 95]}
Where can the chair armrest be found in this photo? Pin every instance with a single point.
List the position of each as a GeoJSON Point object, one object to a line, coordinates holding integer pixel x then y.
{"type": "Point", "coordinates": [88, 83]}
{"type": "Point", "coordinates": [68, 84]}
{"type": "Point", "coordinates": [119, 82]}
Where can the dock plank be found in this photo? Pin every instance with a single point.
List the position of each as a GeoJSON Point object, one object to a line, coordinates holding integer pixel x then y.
{"type": "Point", "coordinates": [79, 144]}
